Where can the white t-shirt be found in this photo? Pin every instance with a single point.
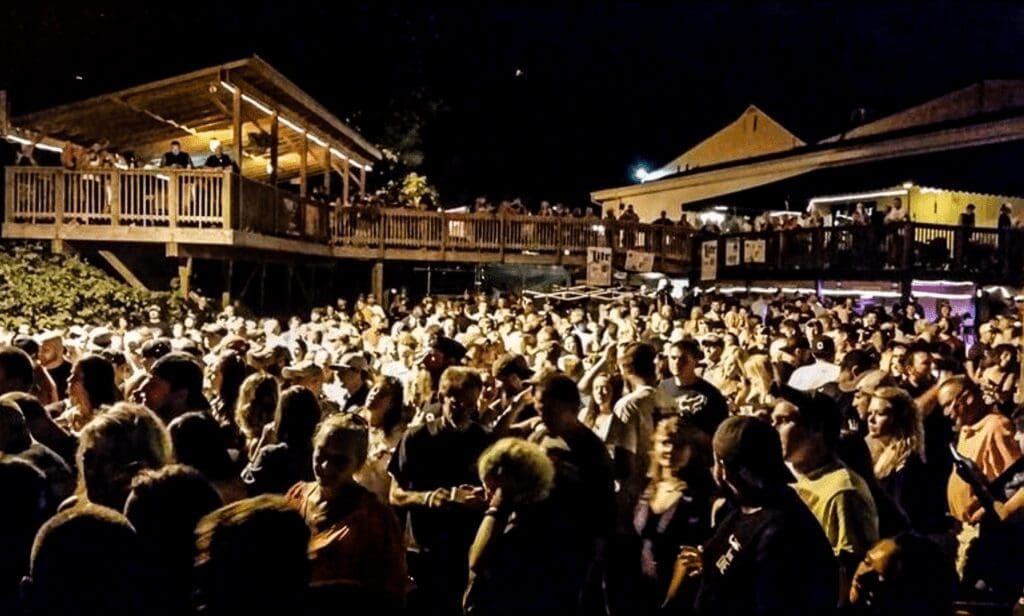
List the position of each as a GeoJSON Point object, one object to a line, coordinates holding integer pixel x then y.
{"type": "Point", "coordinates": [814, 376]}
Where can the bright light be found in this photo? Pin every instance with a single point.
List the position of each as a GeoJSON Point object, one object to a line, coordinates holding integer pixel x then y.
{"type": "Point", "coordinates": [255, 103]}
{"type": "Point", "coordinates": [18, 140]}
{"type": "Point", "coordinates": [49, 148]}
{"type": "Point", "coordinates": [720, 208]}
{"type": "Point", "coordinates": [908, 185]}
{"type": "Point", "coordinates": [856, 197]}
{"type": "Point", "coordinates": [640, 173]}
{"type": "Point", "coordinates": [228, 86]}
{"type": "Point", "coordinates": [317, 140]}
{"type": "Point", "coordinates": [214, 144]}
{"type": "Point", "coordinates": [270, 168]}
{"type": "Point", "coordinates": [714, 218]}
{"type": "Point", "coordinates": [292, 125]}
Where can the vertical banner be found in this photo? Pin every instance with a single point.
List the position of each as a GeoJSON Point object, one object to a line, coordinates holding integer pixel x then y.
{"type": "Point", "coordinates": [732, 252]}
{"type": "Point", "coordinates": [753, 251]}
{"type": "Point", "coordinates": [709, 260]}
{"type": "Point", "coordinates": [599, 267]}
{"type": "Point", "coordinates": [638, 261]}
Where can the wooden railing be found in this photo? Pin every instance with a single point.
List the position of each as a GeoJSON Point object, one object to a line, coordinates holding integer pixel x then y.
{"type": "Point", "coordinates": [135, 197]}
{"type": "Point", "coordinates": [201, 199]}
{"type": "Point", "coordinates": [917, 249]}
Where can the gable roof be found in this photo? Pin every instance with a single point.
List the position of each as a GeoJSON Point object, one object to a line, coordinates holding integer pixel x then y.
{"type": "Point", "coordinates": [754, 133]}
{"type": "Point", "coordinates": [989, 96]}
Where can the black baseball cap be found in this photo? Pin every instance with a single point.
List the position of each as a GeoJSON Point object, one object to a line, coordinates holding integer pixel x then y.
{"type": "Point", "coordinates": [156, 348]}
{"type": "Point", "coordinates": [181, 371]}
{"type": "Point", "coordinates": [753, 445]}
{"type": "Point", "coordinates": [511, 364]}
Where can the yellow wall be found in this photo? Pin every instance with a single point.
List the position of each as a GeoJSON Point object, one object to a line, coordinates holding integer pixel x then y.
{"type": "Point", "coordinates": [944, 207]}
{"type": "Point", "coordinates": [754, 133]}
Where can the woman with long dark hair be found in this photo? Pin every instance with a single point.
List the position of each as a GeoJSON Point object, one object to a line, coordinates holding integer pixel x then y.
{"type": "Point", "coordinates": [91, 386]}
{"type": "Point", "coordinates": [388, 416]}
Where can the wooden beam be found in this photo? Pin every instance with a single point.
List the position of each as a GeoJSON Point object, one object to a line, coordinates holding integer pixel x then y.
{"type": "Point", "coordinates": [255, 92]}
{"type": "Point", "coordinates": [303, 165]}
{"type": "Point", "coordinates": [5, 112]}
{"type": "Point", "coordinates": [345, 175]}
{"type": "Point", "coordinates": [122, 269]}
{"type": "Point", "coordinates": [273, 149]}
{"type": "Point", "coordinates": [236, 127]}
{"type": "Point", "coordinates": [362, 181]}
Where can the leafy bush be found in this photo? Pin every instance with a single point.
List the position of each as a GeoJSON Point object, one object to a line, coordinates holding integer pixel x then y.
{"type": "Point", "coordinates": [53, 291]}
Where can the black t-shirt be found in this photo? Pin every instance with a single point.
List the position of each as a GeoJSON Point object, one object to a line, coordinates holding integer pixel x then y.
{"type": "Point", "coordinates": [701, 403]}
{"type": "Point", "coordinates": [434, 455]}
{"type": "Point", "coordinates": [776, 560]}
{"type": "Point", "coordinates": [584, 486]}
{"type": "Point", "coordinates": [60, 374]}
{"type": "Point", "coordinates": [180, 159]}
{"type": "Point", "coordinates": [978, 354]}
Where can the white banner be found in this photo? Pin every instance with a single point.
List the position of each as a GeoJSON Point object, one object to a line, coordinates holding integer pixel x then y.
{"type": "Point", "coordinates": [709, 260]}
{"type": "Point", "coordinates": [637, 261]}
{"type": "Point", "coordinates": [732, 252]}
{"type": "Point", "coordinates": [753, 251]}
{"type": "Point", "coordinates": [599, 267]}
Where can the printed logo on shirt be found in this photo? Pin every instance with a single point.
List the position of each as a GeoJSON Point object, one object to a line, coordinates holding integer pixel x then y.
{"type": "Point", "coordinates": [726, 559]}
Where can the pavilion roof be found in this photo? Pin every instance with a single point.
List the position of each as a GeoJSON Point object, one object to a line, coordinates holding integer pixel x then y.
{"type": "Point", "coordinates": [195, 108]}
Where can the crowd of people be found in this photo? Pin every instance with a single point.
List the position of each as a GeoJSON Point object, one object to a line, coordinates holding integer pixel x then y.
{"type": "Point", "coordinates": [505, 455]}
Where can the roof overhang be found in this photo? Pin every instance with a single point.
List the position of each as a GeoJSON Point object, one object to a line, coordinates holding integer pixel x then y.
{"type": "Point", "coordinates": [196, 108]}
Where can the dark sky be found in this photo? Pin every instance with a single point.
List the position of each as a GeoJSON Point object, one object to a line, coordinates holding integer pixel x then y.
{"type": "Point", "coordinates": [601, 88]}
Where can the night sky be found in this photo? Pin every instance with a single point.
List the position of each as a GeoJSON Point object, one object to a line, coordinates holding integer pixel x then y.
{"type": "Point", "coordinates": [533, 101]}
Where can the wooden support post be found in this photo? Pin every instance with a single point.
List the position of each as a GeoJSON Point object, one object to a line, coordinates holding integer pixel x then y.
{"type": "Point", "coordinates": [559, 241]}
{"type": "Point", "coordinates": [115, 198]}
{"type": "Point", "coordinates": [184, 277]}
{"type": "Point", "coordinates": [344, 181]}
{"type": "Point", "coordinates": [362, 181]}
{"type": "Point", "coordinates": [303, 164]}
{"type": "Point", "coordinates": [225, 296]}
{"type": "Point", "coordinates": [236, 128]}
{"type": "Point", "coordinates": [227, 208]}
{"type": "Point", "coordinates": [173, 197]}
{"type": "Point", "coordinates": [274, 138]}
{"type": "Point", "coordinates": [377, 282]}
{"type": "Point", "coordinates": [59, 196]}
{"type": "Point", "coordinates": [263, 285]}
{"type": "Point", "coordinates": [502, 221]}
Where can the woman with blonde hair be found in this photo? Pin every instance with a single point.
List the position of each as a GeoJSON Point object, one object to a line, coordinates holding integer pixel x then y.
{"type": "Point", "coordinates": [114, 447]}
{"type": "Point", "coordinates": [521, 561]}
{"type": "Point", "coordinates": [755, 396]}
{"type": "Point", "coordinates": [896, 441]}
{"type": "Point", "coordinates": [255, 408]}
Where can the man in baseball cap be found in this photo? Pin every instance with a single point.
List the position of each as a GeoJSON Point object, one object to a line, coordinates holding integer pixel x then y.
{"type": "Point", "coordinates": [353, 372]}
{"type": "Point", "coordinates": [769, 554]}
{"type": "Point", "coordinates": [822, 371]}
{"type": "Point", "coordinates": [174, 387]}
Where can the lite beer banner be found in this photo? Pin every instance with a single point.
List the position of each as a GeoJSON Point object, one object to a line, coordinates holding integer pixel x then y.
{"type": "Point", "coordinates": [599, 267]}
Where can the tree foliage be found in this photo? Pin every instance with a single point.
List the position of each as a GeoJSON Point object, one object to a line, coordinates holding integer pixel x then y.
{"type": "Point", "coordinates": [44, 290]}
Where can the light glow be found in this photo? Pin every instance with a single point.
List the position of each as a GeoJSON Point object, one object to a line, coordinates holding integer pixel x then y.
{"type": "Point", "coordinates": [292, 125]}
{"type": "Point", "coordinates": [898, 192]}
{"type": "Point", "coordinates": [641, 173]}
{"type": "Point", "coordinates": [255, 103]}
{"type": "Point", "coordinates": [228, 87]}
{"type": "Point", "coordinates": [317, 140]}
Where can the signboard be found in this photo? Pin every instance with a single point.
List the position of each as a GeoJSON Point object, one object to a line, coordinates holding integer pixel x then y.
{"type": "Point", "coordinates": [753, 251]}
{"type": "Point", "coordinates": [599, 267]}
{"type": "Point", "coordinates": [732, 252]}
{"type": "Point", "coordinates": [709, 260]}
{"type": "Point", "coordinates": [637, 261]}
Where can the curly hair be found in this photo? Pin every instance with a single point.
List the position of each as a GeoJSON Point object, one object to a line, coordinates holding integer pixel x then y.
{"type": "Point", "coordinates": [257, 403]}
{"type": "Point", "coordinates": [521, 469]}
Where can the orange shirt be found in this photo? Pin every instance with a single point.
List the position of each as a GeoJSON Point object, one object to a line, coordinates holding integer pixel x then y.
{"type": "Point", "coordinates": [364, 546]}
{"type": "Point", "coordinates": [991, 445]}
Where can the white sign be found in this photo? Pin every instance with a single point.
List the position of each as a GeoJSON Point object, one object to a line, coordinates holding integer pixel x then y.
{"type": "Point", "coordinates": [599, 267]}
{"type": "Point", "coordinates": [753, 251]}
{"type": "Point", "coordinates": [637, 261]}
{"type": "Point", "coordinates": [709, 260]}
{"type": "Point", "coordinates": [732, 252]}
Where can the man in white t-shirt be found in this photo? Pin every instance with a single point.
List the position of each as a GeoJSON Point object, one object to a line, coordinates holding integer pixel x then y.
{"type": "Point", "coordinates": [824, 369]}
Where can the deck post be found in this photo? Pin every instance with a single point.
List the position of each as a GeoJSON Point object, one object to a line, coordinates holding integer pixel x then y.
{"type": "Point", "coordinates": [115, 197]}
{"type": "Point", "coordinates": [226, 207]}
{"type": "Point", "coordinates": [502, 219]}
{"type": "Point", "coordinates": [58, 199]}
{"type": "Point", "coordinates": [377, 281]}
{"type": "Point", "coordinates": [9, 195]}
{"type": "Point", "coordinates": [274, 138]}
{"type": "Point", "coordinates": [173, 198]}
{"type": "Point", "coordinates": [236, 128]}
{"type": "Point", "coordinates": [303, 164]}
{"type": "Point", "coordinates": [344, 181]}
{"type": "Point", "coordinates": [362, 181]}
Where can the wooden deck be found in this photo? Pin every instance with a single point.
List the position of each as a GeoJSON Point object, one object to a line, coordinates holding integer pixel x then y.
{"type": "Point", "coordinates": [197, 212]}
